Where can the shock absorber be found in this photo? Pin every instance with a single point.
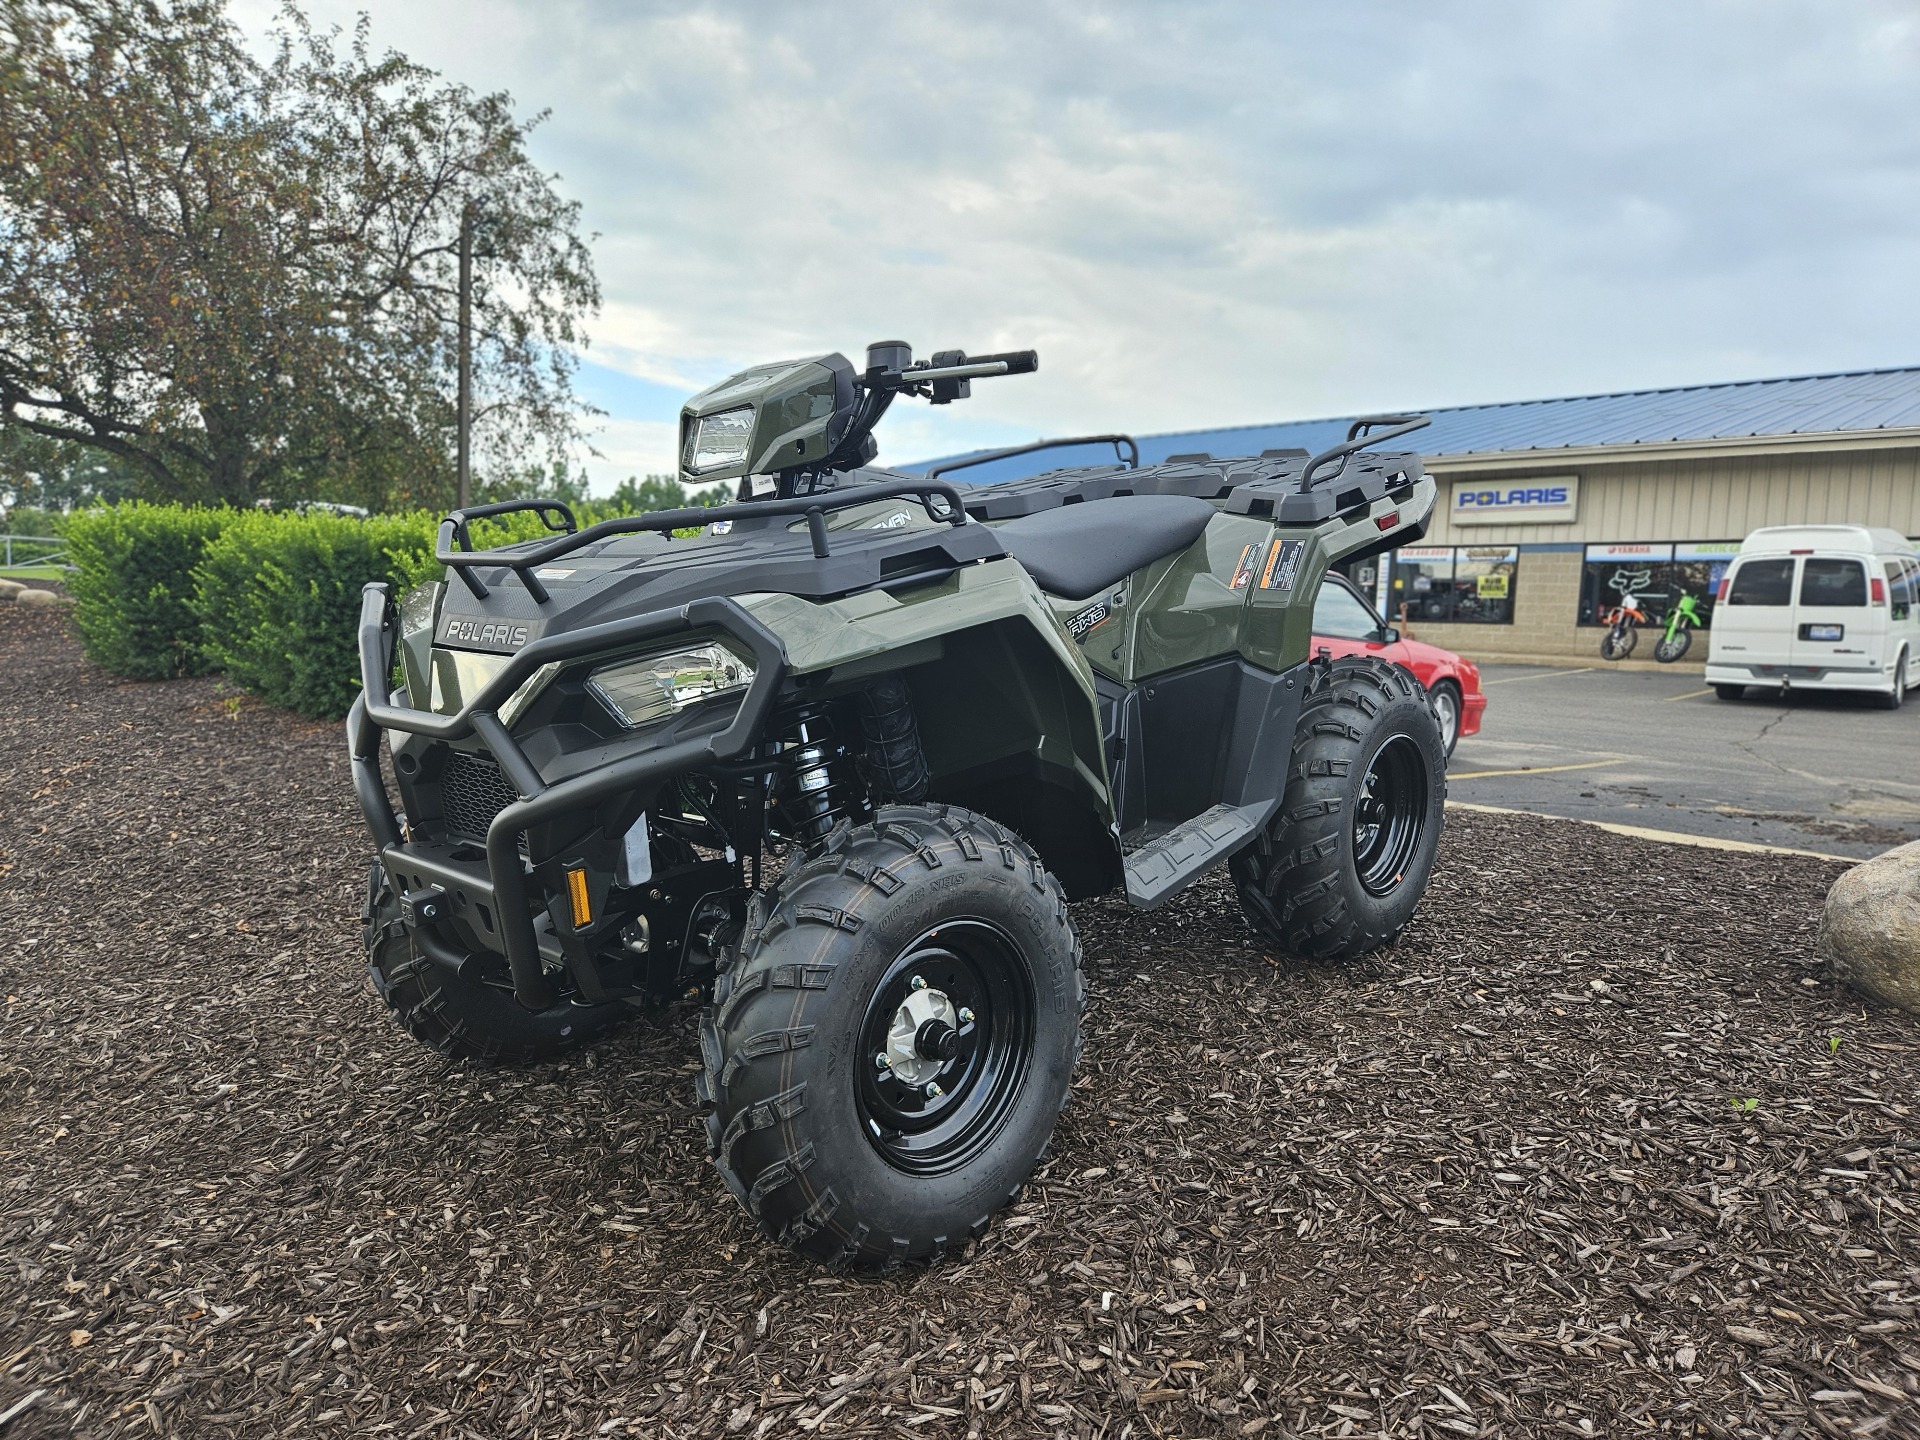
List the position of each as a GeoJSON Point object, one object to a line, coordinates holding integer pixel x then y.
{"type": "Point", "coordinates": [814, 787]}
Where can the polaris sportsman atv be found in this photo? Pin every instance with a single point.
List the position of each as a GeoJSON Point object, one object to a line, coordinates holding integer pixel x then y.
{"type": "Point", "coordinates": [837, 764]}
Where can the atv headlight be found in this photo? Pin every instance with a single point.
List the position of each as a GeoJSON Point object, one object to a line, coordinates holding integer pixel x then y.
{"type": "Point", "coordinates": [460, 675]}
{"type": "Point", "coordinates": [649, 689]}
{"type": "Point", "coordinates": [718, 440]}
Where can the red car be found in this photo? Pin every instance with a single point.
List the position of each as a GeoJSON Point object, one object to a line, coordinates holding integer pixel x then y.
{"type": "Point", "coordinates": [1346, 624]}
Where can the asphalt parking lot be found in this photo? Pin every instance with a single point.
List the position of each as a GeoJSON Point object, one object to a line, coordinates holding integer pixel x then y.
{"type": "Point", "coordinates": [1827, 773]}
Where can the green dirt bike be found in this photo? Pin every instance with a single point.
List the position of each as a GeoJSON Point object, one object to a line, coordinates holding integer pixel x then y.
{"type": "Point", "coordinates": [1682, 620]}
{"type": "Point", "coordinates": [941, 713]}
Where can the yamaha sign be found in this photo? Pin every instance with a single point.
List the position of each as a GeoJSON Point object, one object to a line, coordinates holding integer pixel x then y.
{"type": "Point", "coordinates": [1543, 500]}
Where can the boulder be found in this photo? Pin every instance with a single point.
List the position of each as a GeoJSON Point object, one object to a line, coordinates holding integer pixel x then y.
{"type": "Point", "coordinates": [41, 598]}
{"type": "Point", "coordinates": [10, 588]}
{"type": "Point", "coordinates": [1870, 930]}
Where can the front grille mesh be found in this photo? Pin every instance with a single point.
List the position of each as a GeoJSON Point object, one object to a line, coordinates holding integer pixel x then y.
{"type": "Point", "coordinates": [472, 792]}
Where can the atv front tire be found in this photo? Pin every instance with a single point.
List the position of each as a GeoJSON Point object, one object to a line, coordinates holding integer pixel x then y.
{"type": "Point", "coordinates": [461, 1018]}
{"type": "Point", "coordinates": [889, 1049]}
{"type": "Point", "coordinates": [1340, 869]}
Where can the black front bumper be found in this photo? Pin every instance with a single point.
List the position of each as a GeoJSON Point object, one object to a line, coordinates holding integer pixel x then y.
{"type": "Point", "coordinates": [500, 884]}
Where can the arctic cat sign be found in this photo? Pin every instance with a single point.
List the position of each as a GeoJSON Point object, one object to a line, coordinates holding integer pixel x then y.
{"type": "Point", "coordinates": [1545, 500]}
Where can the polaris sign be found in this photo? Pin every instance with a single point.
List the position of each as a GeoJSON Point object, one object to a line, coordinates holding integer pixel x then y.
{"type": "Point", "coordinates": [1543, 500]}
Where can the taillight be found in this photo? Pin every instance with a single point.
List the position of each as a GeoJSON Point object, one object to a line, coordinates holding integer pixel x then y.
{"type": "Point", "coordinates": [1726, 584]}
{"type": "Point", "coordinates": [1879, 591]}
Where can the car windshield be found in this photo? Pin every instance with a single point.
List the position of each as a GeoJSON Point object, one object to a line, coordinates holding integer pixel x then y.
{"type": "Point", "coordinates": [1339, 613]}
{"type": "Point", "coordinates": [1762, 582]}
{"type": "Point", "coordinates": [1833, 582]}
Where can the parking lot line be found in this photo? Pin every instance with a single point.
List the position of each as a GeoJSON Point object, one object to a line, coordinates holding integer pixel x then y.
{"type": "Point", "coordinates": [1551, 674]}
{"type": "Point", "coordinates": [1528, 770]}
{"type": "Point", "coordinates": [1667, 837]}
{"type": "Point", "coordinates": [1691, 694]}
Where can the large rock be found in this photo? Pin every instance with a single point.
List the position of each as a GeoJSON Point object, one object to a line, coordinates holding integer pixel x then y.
{"type": "Point", "coordinates": [1870, 932]}
{"type": "Point", "coordinates": [38, 597]}
{"type": "Point", "coordinates": [10, 588]}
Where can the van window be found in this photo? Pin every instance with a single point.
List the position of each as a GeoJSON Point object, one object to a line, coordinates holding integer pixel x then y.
{"type": "Point", "coordinates": [1833, 582]}
{"type": "Point", "coordinates": [1762, 582]}
{"type": "Point", "coordinates": [1901, 575]}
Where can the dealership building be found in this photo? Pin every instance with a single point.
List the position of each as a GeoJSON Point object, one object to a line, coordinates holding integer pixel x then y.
{"type": "Point", "coordinates": [1551, 509]}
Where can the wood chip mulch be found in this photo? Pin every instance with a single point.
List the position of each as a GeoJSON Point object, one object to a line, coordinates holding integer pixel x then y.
{"type": "Point", "coordinates": [1596, 1149]}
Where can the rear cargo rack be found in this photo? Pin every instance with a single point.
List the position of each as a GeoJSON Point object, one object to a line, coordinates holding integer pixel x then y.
{"type": "Point", "coordinates": [524, 558]}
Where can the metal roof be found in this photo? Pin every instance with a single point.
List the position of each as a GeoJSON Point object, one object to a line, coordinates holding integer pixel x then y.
{"type": "Point", "coordinates": [1848, 403]}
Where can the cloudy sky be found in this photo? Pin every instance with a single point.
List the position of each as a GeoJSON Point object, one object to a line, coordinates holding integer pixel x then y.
{"type": "Point", "coordinates": [1206, 214]}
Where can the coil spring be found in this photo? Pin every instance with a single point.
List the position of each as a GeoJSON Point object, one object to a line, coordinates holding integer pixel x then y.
{"type": "Point", "coordinates": [815, 787]}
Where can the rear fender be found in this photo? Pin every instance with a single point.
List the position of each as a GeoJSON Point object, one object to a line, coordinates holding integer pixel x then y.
{"type": "Point", "coordinates": [1005, 703]}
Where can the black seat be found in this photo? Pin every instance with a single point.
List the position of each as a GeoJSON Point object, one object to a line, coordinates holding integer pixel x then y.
{"type": "Point", "coordinates": [1078, 550]}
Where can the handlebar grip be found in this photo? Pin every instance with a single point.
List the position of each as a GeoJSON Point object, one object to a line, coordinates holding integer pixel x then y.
{"type": "Point", "coordinates": [1018, 362]}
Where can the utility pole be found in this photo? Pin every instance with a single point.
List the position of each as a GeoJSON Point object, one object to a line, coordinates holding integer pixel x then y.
{"type": "Point", "coordinates": [463, 453]}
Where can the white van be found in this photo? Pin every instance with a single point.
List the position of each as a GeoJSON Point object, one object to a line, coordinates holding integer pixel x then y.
{"type": "Point", "coordinates": [1818, 607]}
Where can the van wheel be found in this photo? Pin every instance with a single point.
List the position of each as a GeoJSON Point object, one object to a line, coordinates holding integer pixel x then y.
{"type": "Point", "coordinates": [1893, 698]}
{"type": "Point", "coordinates": [1731, 692]}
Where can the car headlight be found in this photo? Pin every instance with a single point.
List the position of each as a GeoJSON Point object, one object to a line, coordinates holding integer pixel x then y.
{"type": "Point", "coordinates": [721, 439]}
{"type": "Point", "coordinates": [654, 687]}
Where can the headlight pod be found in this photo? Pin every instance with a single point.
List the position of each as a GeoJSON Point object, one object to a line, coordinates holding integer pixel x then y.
{"type": "Point", "coordinates": [654, 687]}
{"type": "Point", "coordinates": [460, 675]}
{"type": "Point", "coordinates": [717, 440]}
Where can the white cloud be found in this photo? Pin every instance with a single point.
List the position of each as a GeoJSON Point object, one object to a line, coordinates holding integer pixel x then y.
{"type": "Point", "coordinates": [1214, 214]}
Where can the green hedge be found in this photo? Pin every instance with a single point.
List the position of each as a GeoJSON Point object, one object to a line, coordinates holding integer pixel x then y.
{"type": "Point", "coordinates": [133, 591]}
{"type": "Point", "coordinates": [270, 597]}
{"type": "Point", "coordinates": [278, 599]}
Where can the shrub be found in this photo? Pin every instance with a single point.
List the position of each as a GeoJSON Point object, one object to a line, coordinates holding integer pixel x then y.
{"type": "Point", "coordinates": [133, 590]}
{"type": "Point", "coordinates": [278, 598]}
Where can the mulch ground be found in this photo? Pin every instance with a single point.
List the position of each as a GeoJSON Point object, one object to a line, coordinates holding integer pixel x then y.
{"type": "Point", "coordinates": [1596, 1149]}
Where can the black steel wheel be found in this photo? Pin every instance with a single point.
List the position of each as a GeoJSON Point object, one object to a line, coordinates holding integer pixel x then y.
{"type": "Point", "coordinates": [459, 1016]}
{"type": "Point", "coordinates": [890, 1046]}
{"type": "Point", "coordinates": [1390, 815]}
{"type": "Point", "coordinates": [1341, 868]}
{"type": "Point", "coordinates": [950, 1027]}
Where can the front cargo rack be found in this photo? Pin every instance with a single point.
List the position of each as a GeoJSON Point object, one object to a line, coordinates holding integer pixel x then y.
{"type": "Point", "coordinates": [525, 559]}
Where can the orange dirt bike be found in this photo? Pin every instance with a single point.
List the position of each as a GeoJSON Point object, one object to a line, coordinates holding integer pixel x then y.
{"type": "Point", "coordinates": [1621, 636]}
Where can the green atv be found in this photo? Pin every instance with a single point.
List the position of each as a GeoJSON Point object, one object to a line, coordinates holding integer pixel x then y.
{"type": "Point", "coordinates": [837, 765]}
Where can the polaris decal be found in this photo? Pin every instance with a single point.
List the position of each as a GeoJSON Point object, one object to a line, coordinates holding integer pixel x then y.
{"type": "Point", "coordinates": [1089, 620]}
{"type": "Point", "coordinates": [1546, 500]}
{"type": "Point", "coordinates": [485, 632]}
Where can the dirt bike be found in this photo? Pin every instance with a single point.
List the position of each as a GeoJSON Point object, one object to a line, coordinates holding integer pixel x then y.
{"type": "Point", "coordinates": [1621, 636]}
{"type": "Point", "coordinates": [1681, 622]}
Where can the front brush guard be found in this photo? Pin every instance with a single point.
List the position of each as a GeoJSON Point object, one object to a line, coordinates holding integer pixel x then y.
{"type": "Point", "coordinates": [539, 801]}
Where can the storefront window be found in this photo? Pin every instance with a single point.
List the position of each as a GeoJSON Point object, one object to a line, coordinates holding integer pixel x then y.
{"type": "Point", "coordinates": [1698, 567]}
{"type": "Point", "coordinates": [1484, 581]}
{"type": "Point", "coordinates": [1421, 587]}
{"type": "Point", "coordinates": [1613, 571]}
{"type": "Point", "coordinates": [1655, 575]}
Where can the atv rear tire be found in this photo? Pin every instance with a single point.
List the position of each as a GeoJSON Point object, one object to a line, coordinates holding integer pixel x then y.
{"type": "Point", "coordinates": [1340, 869]}
{"type": "Point", "coordinates": [465, 1019]}
{"type": "Point", "coordinates": [890, 1047]}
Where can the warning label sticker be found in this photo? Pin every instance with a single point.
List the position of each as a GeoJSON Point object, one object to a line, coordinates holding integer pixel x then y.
{"type": "Point", "coordinates": [1283, 565]}
{"type": "Point", "coordinates": [1243, 570]}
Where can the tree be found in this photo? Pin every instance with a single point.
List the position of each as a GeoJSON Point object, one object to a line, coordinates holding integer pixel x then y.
{"type": "Point", "coordinates": [662, 492]}
{"type": "Point", "coordinates": [41, 474]}
{"type": "Point", "coordinates": [239, 277]}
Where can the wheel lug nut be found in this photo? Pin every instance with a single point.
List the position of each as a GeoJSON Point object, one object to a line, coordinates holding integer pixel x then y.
{"type": "Point", "coordinates": [881, 1062]}
{"type": "Point", "coordinates": [966, 1016]}
{"type": "Point", "coordinates": [918, 982]}
{"type": "Point", "coordinates": [934, 1092]}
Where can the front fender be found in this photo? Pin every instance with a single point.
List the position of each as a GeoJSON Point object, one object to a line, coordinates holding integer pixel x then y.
{"type": "Point", "coordinates": [1004, 700]}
